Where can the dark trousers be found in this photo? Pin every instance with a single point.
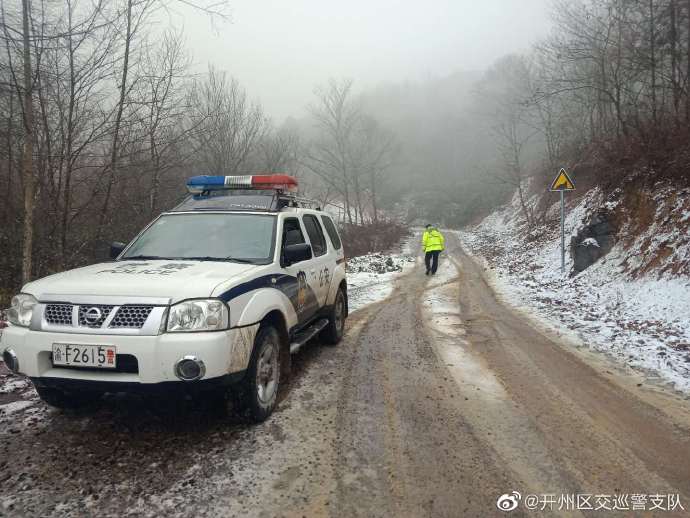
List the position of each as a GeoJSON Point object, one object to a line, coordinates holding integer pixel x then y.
{"type": "Point", "coordinates": [431, 261]}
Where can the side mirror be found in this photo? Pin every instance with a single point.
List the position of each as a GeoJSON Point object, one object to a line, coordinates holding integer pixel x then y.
{"type": "Point", "coordinates": [296, 253]}
{"type": "Point", "coordinates": [116, 249]}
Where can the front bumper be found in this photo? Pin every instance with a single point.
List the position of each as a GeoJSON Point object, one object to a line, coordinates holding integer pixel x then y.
{"type": "Point", "coordinates": [223, 352]}
{"type": "Point", "coordinates": [165, 388]}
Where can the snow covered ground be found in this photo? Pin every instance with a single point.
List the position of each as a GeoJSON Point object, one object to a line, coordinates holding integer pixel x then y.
{"type": "Point", "coordinates": [643, 322]}
{"type": "Point", "coordinates": [370, 277]}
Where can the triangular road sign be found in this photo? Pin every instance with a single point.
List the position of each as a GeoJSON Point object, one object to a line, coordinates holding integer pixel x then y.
{"type": "Point", "coordinates": [562, 182]}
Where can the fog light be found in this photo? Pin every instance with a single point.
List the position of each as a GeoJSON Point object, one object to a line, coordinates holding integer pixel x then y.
{"type": "Point", "coordinates": [10, 359]}
{"type": "Point", "coordinates": [190, 368]}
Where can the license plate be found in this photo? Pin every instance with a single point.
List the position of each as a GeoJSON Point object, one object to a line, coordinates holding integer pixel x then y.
{"type": "Point", "coordinates": [76, 355]}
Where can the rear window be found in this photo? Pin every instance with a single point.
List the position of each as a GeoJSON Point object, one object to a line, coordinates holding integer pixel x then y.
{"type": "Point", "coordinates": [318, 241]}
{"type": "Point", "coordinates": [332, 232]}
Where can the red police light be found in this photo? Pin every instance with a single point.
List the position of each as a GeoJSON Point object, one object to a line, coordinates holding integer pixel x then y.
{"type": "Point", "coordinates": [281, 182]}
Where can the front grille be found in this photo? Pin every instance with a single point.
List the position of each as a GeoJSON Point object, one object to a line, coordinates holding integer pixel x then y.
{"type": "Point", "coordinates": [85, 311]}
{"type": "Point", "coordinates": [60, 314]}
{"type": "Point", "coordinates": [131, 316]}
{"type": "Point", "coordinates": [98, 316]}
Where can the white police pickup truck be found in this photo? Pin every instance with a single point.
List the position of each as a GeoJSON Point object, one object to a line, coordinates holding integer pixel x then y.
{"type": "Point", "coordinates": [213, 295]}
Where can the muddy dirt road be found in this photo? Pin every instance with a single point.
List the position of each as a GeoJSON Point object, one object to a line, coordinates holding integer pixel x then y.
{"type": "Point", "coordinates": [439, 400]}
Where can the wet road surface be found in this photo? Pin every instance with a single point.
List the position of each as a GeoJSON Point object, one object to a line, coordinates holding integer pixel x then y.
{"type": "Point", "coordinates": [439, 400]}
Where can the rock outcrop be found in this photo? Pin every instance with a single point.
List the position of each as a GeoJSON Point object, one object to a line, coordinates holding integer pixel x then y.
{"type": "Point", "coordinates": [593, 241]}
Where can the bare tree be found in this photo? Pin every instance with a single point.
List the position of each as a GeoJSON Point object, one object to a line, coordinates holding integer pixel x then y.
{"type": "Point", "coordinates": [336, 116]}
{"type": "Point", "coordinates": [376, 153]}
{"type": "Point", "coordinates": [85, 138]}
{"type": "Point", "coordinates": [229, 125]}
{"type": "Point", "coordinates": [27, 158]}
{"type": "Point", "coordinates": [163, 97]}
{"type": "Point", "coordinates": [279, 151]}
{"type": "Point", "coordinates": [134, 15]}
{"type": "Point", "coordinates": [505, 90]}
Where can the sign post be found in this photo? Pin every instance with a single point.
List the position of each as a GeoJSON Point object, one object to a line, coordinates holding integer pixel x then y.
{"type": "Point", "coordinates": [562, 183]}
{"type": "Point", "coordinates": [562, 231]}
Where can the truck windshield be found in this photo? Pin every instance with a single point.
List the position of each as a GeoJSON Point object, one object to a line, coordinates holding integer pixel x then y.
{"type": "Point", "coordinates": [207, 237]}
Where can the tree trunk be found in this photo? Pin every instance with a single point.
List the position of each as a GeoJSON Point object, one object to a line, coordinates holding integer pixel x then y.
{"type": "Point", "coordinates": [523, 206]}
{"type": "Point", "coordinates": [374, 205]}
{"type": "Point", "coordinates": [27, 159]}
{"type": "Point", "coordinates": [114, 150]}
{"type": "Point", "coordinates": [69, 145]}
{"type": "Point", "coordinates": [155, 180]}
{"type": "Point", "coordinates": [652, 61]}
{"type": "Point", "coordinates": [358, 199]}
{"type": "Point", "coordinates": [675, 83]}
{"type": "Point", "coordinates": [10, 152]}
{"type": "Point", "coordinates": [687, 75]}
{"type": "Point", "coordinates": [348, 207]}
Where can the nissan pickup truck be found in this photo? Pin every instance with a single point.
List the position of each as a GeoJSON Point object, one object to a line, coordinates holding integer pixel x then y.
{"type": "Point", "coordinates": [212, 297]}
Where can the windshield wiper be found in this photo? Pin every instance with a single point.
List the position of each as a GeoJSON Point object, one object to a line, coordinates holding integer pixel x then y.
{"type": "Point", "coordinates": [144, 257]}
{"type": "Point", "coordinates": [209, 258]}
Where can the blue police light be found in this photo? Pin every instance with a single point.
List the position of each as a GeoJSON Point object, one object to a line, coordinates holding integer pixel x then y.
{"type": "Point", "coordinates": [199, 184]}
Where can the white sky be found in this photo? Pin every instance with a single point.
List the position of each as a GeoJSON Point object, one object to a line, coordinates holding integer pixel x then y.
{"type": "Point", "coordinates": [280, 50]}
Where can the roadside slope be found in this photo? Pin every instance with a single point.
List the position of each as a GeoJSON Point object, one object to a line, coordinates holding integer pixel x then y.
{"type": "Point", "coordinates": [631, 304]}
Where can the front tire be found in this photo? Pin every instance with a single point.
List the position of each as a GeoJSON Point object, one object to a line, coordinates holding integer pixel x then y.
{"type": "Point", "coordinates": [259, 392]}
{"type": "Point", "coordinates": [70, 401]}
{"type": "Point", "coordinates": [333, 332]}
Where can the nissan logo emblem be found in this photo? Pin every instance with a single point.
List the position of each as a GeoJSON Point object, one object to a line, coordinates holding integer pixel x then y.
{"type": "Point", "coordinates": [92, 315]}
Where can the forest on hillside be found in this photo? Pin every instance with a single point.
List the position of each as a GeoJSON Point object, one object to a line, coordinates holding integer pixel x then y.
{"type": "Point", "coordinates": [102, 117]}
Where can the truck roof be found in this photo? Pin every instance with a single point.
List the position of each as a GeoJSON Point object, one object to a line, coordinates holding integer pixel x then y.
{"type": "Point", "coordinates": [269, 201]}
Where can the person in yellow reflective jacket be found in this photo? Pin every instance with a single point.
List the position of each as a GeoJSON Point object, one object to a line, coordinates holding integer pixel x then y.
{"type": "Point", "coordinates": [433, 244]}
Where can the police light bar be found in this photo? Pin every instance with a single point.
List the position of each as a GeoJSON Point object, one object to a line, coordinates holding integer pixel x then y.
{"type": "Point", "coordinates": [274, 182]}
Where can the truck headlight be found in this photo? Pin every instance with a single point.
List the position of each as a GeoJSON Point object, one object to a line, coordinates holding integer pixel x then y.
{"type": "Point", "coordinates": [198, 315]}
{"type": "Point", "coordinates": [21, 309]}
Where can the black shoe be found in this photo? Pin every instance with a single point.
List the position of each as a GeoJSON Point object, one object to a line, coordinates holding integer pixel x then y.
{"type": "Point", "coordinates": [427, 272]}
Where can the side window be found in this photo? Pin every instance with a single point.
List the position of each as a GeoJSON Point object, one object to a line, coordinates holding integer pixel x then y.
{"type": "Point", "coordinates": [332, 232]}
{"type": "Point", "coordinates": [292, 232]}
{"type": "Point", "coordinates": [292, 235]}
{"type": "Point", "coordinates": [318, 241]}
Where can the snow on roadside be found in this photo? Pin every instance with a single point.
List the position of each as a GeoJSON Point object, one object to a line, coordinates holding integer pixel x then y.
{"type": "Point", "coordinates": [14, 384]}
{"type": "Point", "coordinates": [644, 323]}
{"type": "Point", "coordinates": [370, 277]}
{"type": "Point", "coordinates": [15, 406]}
{"type": "Point", "coordinates": [17, 401]}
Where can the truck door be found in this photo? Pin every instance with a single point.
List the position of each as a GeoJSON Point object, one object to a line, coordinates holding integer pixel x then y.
{"type": "Point", "coordinates": [299, 290]}
{"type": "Point", "coordinates": [321, 271]}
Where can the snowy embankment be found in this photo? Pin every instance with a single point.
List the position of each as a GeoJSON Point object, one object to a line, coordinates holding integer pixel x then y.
{"type": "Point", "coordinates": [370, 278]}
{"type": "Point", "coordinates": [641, 320]}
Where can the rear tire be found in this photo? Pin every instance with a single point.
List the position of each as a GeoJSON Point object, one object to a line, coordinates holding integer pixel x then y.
{"type": "Point", "coordinates": [71, 401]}
{"type": "Point", "coordinates": [333, 332]}
{"type": "Point", "coordinates": [259, 390]}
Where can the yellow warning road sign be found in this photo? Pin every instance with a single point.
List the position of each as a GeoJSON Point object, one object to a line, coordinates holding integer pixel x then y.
{"type": "Point", "coordinates": [562, 182]}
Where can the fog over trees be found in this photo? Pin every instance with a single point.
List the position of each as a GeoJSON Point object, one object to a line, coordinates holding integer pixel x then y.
{"type": "Point", "coordinates": [102, 118]}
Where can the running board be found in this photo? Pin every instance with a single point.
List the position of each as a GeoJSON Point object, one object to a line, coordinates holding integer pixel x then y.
{"type": "Point", "coordinates": [307, 334]}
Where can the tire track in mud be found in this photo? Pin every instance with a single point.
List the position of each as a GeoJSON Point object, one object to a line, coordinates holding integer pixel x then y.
{"type": "Point", "coordinates": [403, 446]}
{"type": "Point", "coordinates": [488, 408]}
